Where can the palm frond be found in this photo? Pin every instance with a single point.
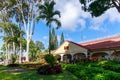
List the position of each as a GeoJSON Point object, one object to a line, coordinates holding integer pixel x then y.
{"type": "Point", "coordinates": [57, 22]}
{"type": "Point", "coordinates": [56, 13]}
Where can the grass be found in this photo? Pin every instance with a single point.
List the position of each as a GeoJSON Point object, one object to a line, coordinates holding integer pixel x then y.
{"type": "Point", "coordinates": [3, 67]}
{"type": "Point", "coordinates": [32, 75]}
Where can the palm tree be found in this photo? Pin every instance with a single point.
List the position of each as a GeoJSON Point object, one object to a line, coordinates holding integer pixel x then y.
{"type": "Point", "coordinates": [12, 36]}
{"type": "Point", "coordinates": [48, 13]}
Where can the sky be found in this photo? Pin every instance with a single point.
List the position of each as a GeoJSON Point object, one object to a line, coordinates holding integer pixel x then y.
{"type": "Point", "coordinates": [79, 26]}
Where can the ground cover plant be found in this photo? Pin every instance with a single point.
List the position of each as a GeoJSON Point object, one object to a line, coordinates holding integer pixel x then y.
{"type": "Point", "coordinates": [101, 70]}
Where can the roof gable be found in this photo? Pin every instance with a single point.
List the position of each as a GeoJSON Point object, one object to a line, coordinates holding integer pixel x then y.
{"type": "Point", "coordinates": [72, 47]}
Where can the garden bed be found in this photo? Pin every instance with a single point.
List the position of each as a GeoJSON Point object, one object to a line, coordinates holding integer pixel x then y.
{"type": "Point", "coordinates": [95, 70]}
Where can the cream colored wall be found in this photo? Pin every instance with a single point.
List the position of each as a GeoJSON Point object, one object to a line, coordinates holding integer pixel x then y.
{"type": "Point", "coordinates": [72, 49]}
{"type": "Point", "coordinates": [61, 50]}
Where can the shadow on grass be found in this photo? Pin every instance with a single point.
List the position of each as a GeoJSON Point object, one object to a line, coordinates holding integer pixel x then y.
{"type": "Point", "coordinates": [32, 75]}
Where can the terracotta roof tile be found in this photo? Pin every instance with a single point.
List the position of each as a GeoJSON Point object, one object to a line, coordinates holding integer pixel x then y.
{"type": "Point", "coordinates": [112, 42]}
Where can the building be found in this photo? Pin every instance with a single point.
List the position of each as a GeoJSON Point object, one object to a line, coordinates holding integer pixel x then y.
{"type": "Point", "coordinates": [107, 48]}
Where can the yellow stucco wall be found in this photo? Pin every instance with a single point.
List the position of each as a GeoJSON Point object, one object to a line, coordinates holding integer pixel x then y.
{"type": "Point", "coordinates": [73, 48]}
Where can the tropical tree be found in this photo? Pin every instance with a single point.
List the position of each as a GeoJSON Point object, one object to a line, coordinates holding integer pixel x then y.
{"type": "Point", "coordinates": [53, 40]}
{"type": "Point", "coordinates": [4, 8]}
{"type": "Point", "coordinates": [27, 10]}
{"type": "Point", "coordinates": [98, 7]}
{"type": "Point", "coordinates": [35, 49]}
{"type": "Point", "coordinates": [56, 42]}
{"type": "Point", "coordinates": [39, 44]}
{"type": "Point", "coordinates": [12, 37]}
{"type": "Point", "coordinates": [48, 13]}
{"type": "Point", "coordinates": [62, 38]}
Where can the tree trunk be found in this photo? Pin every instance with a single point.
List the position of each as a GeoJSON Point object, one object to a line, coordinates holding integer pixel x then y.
{"type": "Point", "coordinates": [6, 54]}
{"type": "Point", "coordinates": [27, 48]}
{"type": "Point", "coordinates": [49, 39]}
{"type": "Point", "coordinates": [14, 47]}
{"type": "Point", "coordinates": [20, 55]}
{"type": "Point", "coordinates": [14, 50]}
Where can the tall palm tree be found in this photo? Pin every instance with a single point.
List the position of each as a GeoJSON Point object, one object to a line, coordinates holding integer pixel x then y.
{"type": "Point", "coordinates": [48, 13]}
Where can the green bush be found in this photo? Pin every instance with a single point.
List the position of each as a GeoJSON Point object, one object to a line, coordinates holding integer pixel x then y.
{"type": "Point", "coordinates": [110, 75]}
{"type": "Point", "coordinates": [91, 73]}
{"type": "Point", "coordinates": [13, 58]}
{"type": "Point", "coordinates": [48, 69]}
{"type": "Point", "coordinates": [50, 59]}
{"type": "Point", "coordinates": [115, 68]}
{"type": "Point", "coordinates": [101, 70]}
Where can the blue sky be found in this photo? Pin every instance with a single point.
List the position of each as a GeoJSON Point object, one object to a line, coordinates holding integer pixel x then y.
{"type": "Point", "coordinates": [79, 26]}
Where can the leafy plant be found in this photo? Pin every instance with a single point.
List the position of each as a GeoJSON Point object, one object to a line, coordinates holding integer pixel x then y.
{"type": "Point", "coordinates": [50, 59]}
{"type": "Point", "coordinates": [13, 59]}
{"type": "Point", "coordinates": [48, 69]}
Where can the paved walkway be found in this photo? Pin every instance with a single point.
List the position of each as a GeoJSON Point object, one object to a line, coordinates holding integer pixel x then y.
{"type": "Point", "coordinates": [17, 70]}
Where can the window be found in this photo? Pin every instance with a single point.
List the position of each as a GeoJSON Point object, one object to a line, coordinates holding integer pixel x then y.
{"type": "Point", "coordinates": [66, 47]}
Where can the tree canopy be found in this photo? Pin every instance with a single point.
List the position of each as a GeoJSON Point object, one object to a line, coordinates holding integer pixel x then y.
{"type": "Point", "coordinates": [98, 7]}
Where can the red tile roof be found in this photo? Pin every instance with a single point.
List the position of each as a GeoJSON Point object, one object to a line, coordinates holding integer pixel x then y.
{"type": "Point", "coordinates": [106, 43]}
{"type": "Point", "coordinates": [77, 44]}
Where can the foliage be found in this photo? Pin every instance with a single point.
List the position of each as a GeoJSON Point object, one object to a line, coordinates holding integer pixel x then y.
{"type": "Point", "coordinates": [115, 68]}
{"type": "Point", "coordinates": [13, 65]}
{"type": "Point", "coordinates": [98, 7]}
{"type": "Point", "coordinates": [35, 50]}
{"type": "Point", "coordinates": [62, 38]}
{"type": "Point", "coordinates": [13, 58]}
{"type": "Point", "coordinates": [48, 69]}
{"type": "Point", "coordinates": [50, 59]}
{"type": "Point", "coordinates": [39, 44]}
{"type": "Point", "coordinates": [101, 70]}
{"type": "Point", "coordinates": [48, 13]}
{"type": "Point", "coordinates": [30, 65]}
{"type": "Point", "coordinates": [53, 40]}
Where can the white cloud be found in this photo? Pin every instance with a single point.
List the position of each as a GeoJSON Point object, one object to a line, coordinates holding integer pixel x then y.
{"type": "Point", "coordinates": [45, 37]}
{"type": "Point", "coordinates": [110, 15]}
{"type": "Point", "coordinates": [71, 14]}
{"type": "Point", "coordinates": [113, 15]}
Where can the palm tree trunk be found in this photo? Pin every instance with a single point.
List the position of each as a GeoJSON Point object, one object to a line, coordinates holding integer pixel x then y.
{"type": "Point", "coordinates": [49, 40]}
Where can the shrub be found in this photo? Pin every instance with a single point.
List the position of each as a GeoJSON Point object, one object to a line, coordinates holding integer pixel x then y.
{"type": "Point", "coordinates": [48, 69]}
{"type": "Point", "coordinates": [13, 58]}
{"type": "Point", "coordinates": [13, 65]}
{"type": "Point", "coordinates": [115, 68]}
{"type": "Point", "coordinates": [50, 59]}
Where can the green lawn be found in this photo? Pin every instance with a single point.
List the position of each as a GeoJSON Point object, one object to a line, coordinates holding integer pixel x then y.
{"type": "Point", "coordinates": [32, 75]}
{"type": "Point", "coordinates": [3, 67]}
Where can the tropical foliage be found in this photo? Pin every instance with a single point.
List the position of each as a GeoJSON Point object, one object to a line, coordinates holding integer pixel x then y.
{"type": "Point", "coordinates": [98, 7]}
{"type": "Point", "coordinates": [101, 70]}
{"type": "Point", "coordinates": [62, 38]}
{"type": "Point", "coordinates": [17, 23]}
{"type": "Point", "coordinates": [48, 14]}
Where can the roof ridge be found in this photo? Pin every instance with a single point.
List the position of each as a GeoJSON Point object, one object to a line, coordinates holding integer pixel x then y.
{"type": "Point", "coordinates": [99, 39]}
